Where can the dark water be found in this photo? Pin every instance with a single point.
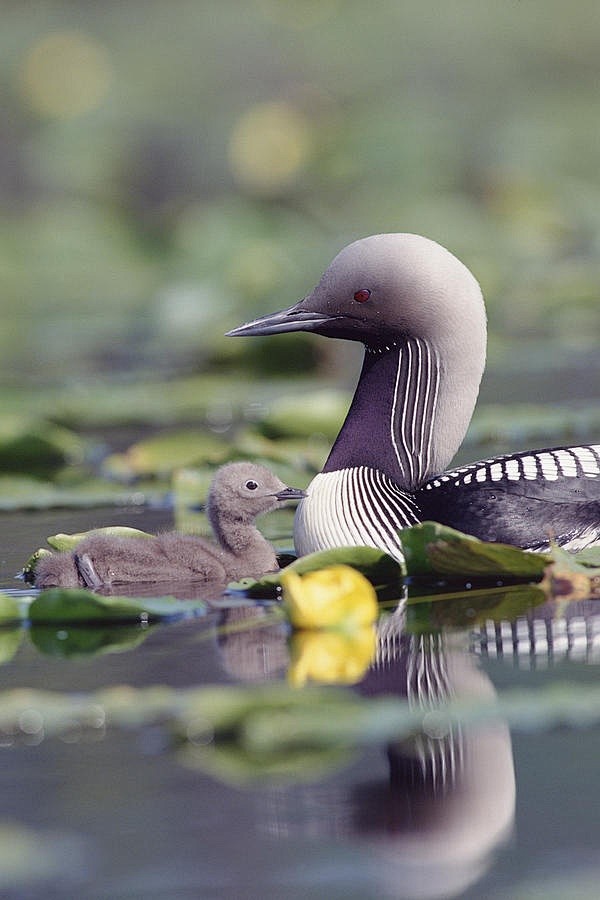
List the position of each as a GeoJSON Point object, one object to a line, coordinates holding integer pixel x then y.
{"type": "Point", "coordinates": [489, 815]}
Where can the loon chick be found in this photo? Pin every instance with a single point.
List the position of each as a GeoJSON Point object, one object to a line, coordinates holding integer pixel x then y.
{"type": "Point", "coordinates": [239, 493]}
{"type": "Point", "coordinates": [420, 314]}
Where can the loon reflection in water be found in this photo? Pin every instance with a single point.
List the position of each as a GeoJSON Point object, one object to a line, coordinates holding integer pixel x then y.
{"type": "Point", "coordinates": [427, 816]}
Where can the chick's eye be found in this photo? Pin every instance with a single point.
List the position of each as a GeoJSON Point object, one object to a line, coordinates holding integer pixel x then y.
{"type": "Point", "coordinates": [362, 296]}
{"type": "Point", "coordinates": [251, 485]}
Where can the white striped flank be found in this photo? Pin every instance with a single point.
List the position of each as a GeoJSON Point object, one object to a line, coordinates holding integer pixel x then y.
{"type": "Point", "coordinates": [549, 466]}
{"type": "Point", "coordinates": [540, 465]}
{"type": "Point", "coordinates": [353, 507]}
{"type": "Point", "coordinates": [414, 407]}
{"type": "Point", "coordinates": [534, 643]}
{"type": "Point", "coordinates": [589, 459]}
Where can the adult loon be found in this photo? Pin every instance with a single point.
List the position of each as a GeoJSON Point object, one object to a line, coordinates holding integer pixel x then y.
{"type": "Point", "coordinates": [420, 314]}
{"type": "Point", "coordinates": [239, 493]}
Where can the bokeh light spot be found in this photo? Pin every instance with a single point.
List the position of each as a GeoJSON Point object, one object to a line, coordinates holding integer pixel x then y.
{"type": "Point", "coordinates": [65, 74]}
{"type": "Point", "coordinates": [270, 144]}
{"type": "Point", "coordinates": [256, 268]}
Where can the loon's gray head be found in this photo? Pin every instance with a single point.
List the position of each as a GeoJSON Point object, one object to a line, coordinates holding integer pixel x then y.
{"type": "Point", "coordinates": [387, 286]}
{"type": "Point", "coordinates": [420, 314]}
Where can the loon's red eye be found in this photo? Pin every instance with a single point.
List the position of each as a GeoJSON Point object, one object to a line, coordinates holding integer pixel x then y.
{"type": "Point", "coordinates": [362, 296]}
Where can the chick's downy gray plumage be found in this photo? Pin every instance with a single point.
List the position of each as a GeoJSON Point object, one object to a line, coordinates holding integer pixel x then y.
{"type": "Point", "coordinates": [238, 494]}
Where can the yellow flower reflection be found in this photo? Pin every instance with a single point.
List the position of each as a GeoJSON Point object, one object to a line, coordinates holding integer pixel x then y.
{"type": "Point", "coordinates": [335, 597]}
{"type": "Point", "coordinates": [338, 607]}
{"type": "Point", "coordinates": [331, 657]}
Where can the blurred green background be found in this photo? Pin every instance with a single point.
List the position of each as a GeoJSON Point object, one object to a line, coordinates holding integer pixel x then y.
{"type": "Point", "coordinates": [170, 169]}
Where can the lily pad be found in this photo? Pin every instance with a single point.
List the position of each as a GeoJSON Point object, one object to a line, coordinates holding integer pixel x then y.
{"type": "Point", "coordinates": [235, 764]}
{"type": "Point", "coordinates": [22, 492]}
{"type": "Point", "coordinates": [162, 454]}
{"type": "Point", "coordinates": [35, 446]}
{"type": "Point", "coordinates": [529, 423]}
{"type": "Point", "coordinates": [10, 610]}
{"type": "Point", "coordinates": [378, 567]}
{"type": "Point", "coordinates": [466, 609]}
{"type": "Point", "coordinates": [314, 412]}
{"type": "Point", "coordinates": [66, 605]}
{"type": "Point", "coordinates": [586, 561]}
{"type": "Point", "coordinates": [63, 542]}
{"type": "Point", "coordinates": [66, 542]}
{"type": "Point", "coordinates": [590, 556]}
{"type": "Point", "coordinates": [567, 578]}
{"type": "Point", "coordinates": [297, 454]}
{"type": "Point", "coordinates": [102, 403]}
{"type": "Point", "coordinates": [81, 641]}
{"type": "Point", "coordinates": [273, 731]}
{"type": "Point", "coordinates": [433, 549]}
{"type": "Point", "coordinates": [10, 641]}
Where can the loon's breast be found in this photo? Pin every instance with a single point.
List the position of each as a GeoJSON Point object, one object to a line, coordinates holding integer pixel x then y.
{"type": "Point", "coordinates": [354, 506]}
{"type": "Point", "coordinates": [528, 499]}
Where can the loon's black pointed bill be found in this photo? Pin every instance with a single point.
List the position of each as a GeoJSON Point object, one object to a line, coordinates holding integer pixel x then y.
{"type": "Point", "coordinates": [290, 493]}
{"type": "Point", "coordinates": [291, 319]}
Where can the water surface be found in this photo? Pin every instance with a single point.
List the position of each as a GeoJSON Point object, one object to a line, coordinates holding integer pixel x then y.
{"type": "Point", "coordinates": [482, 813]}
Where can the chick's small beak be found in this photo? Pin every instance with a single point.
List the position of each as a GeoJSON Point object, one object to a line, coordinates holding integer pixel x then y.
{"type": "Point", "coordinates": [290, 493]}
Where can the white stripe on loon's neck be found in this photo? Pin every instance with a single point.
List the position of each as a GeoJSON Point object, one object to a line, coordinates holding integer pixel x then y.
{"type": "Point", "coordinates": [400, 386]}
{"type": "Point", "coordinates": [413, 414]}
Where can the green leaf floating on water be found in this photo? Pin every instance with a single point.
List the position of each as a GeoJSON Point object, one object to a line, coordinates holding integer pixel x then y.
{"type": "Point", "coordinates": [589, 557]}
{"type": "Point", "coordinates": [67, 542]}
{"type": "Point", "coordinates": [384, 572]}
{"type": "Point", "coordinates": [295, 455]}
{"type": "Point", "coordinates": [63, 542]}
{"type": "Point", "coordinates": [32, 445]}
{"type": "Point", "coordinates": [81, 641]}
{"type": "Point", "coordinates": [164, 453]}
{"type": "Point", "coordinates": [271, 731]}
{"type": "Point", "coordinates": [467, 609]}
{"type": "Point", "coordinates": [569, 578]}
{"type": "Point", "coordinates": [585, 562]}
{"type": "Point", "coordinates": [72, 605]}
{"type": "Point", "coordinates": [432, 549]}
{"type": "Point", "coordinates": [11, 610]}
{"type": "Point", "coordinates": [234, 764]}
{"type": "Point", "coordinates": [302, 415]}
{"type": "Point", "coordinates": [23, 492]}
{"type": "Point", "coordinates": [10, 641]}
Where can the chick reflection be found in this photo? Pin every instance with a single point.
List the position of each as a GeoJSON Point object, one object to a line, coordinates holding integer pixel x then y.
{"type": "Point", "coordinates": [251, 647]}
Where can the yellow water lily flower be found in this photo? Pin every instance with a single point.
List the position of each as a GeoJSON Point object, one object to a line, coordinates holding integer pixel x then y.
{"type": "Point", "coordinates": [335, 597]}
{"type": "Point", "coordinates": [331, 657]}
